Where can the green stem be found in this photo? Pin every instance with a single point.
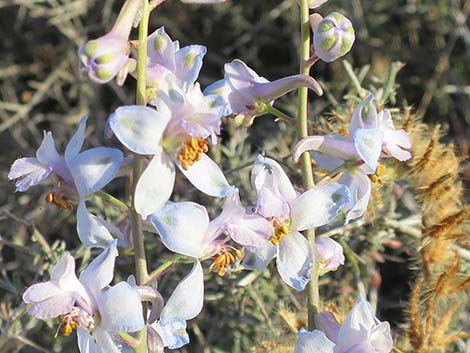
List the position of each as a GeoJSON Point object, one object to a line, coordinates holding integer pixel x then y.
{"type": "Point", "coordinates": [354, 259]}
{"type": "Point", "coordinates": [163, 267]}
{"type": "Point", "coordinates": [111, 199]}
{"type": "Point", "coordinates": [137, 233]}
{"type": "Point", "coordinates": [390, 83]}
{"type": "Point", "coordinates": [280, 115]}
{"type": "Point", "coordinates": [307, 172]}
{"type": "Point", "coordinates": [353, 77]}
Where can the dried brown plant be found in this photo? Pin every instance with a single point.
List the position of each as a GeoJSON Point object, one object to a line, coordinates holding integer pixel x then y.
{"type": "Point", "coordinates": [438, 290]}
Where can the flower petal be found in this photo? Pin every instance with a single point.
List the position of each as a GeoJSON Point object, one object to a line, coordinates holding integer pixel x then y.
{"type": "Point", "coordinates": [259, 258]}
{"type": "Point", "coordinates": [161, 49]}
{"type": "Point", "coordinates": [327, 322]}
{"type": "Point", "coordinates": [360, 188]}
{"type": "Point", "coordinates": [47, 155]}
{"type": "Point", "coordinates": [207, 177]}
{"type": "Point", "coordinates": [76, 142]}
{"type": "Point", "coordinates": [358, 121]}
{"type": "Point", "coordinates": [28, 172]}
{"type": "Point", "coordinates": [186, 301]}
{"type": "Point", "coordinates": [318, 206]}
{"type": "Point", "coordinates": [100, 342]}
{"type": "Point", "coordinates": [368, 143]}
{"type": "Point", "coordinates": [331, 145]}
{"type": "Point", "coordinates": [118, 317]}
{"type": "Point", "coordinates": [100, 271]}
{"type": "Point", "coordinates": [155, 185]}
{"type": "Point", "coordinates": [273, 187]}
{"type": "Point", "coordinates": [95, 168]}
{"type": "Point", "coordinates": [295, 260]}
{"type": "Point", "coordinates": [58, 304]}
{"type": "Point", "coordinates": [173, 334]}
{"type": "Point", "coordinates": [189, 63]}
{"type": "Point", "coordinates": [381, 338]}
{"type": "Point", "coordinates": [92, 230]}
{"type": "Point", "coordinates": [139, 128]}
{"type": "Point", "coordinates": [313, 342]}
{"type": "Point", "coordinates": [182, 227]}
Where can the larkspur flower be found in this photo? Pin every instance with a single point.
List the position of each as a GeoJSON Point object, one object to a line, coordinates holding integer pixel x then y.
{"type": "Point", "coordinates": [185, 228]}
{"type": "Point", "coordinates": [104, 58]}
{"type": "Point", "coordinates": [361, 332]}
{"type": "Point", "coordinates": [290, 213]}
{"type": "Point", "coordinates": [371, 136]}
{"type": "Point", "coordinates": [76, 174]}
{"type": "Point", "coordinates": [329, 254]}
{"type": "Point", "coordinates": [174, 134]}
{"type": "Point", "coordinates": [88, 304]}
{"type": "Point", "coordinates": [247, 94]}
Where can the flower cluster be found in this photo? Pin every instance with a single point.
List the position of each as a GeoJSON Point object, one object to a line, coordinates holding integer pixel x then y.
{"type": "Point", "coordinates": [175, 130]}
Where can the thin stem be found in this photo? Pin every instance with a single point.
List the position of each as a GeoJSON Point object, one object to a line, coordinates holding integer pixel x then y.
{"type": "Point", "coordinates": [353, 77]}
{"type": "Point", "coordinates": [307, 172]}
{"type": "Point", "coordinates": [111, 199]}
{"type": "Point", "coordinates": [354, 259]}
{"type": "Point", "coordinates": [280, 115]}
{"type": "Point", "coordinates": [390, 83]}
{"type": "Point", "coordinates": [137, 233]}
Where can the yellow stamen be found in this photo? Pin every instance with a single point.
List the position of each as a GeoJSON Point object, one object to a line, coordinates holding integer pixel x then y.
{"type": "Point", "coordinates": [279, 231]}
{"type": "Point", "coordinates": [379, 173]}
{"type": "Point", "coordinates": [224, 260]}
{"type": "Point", "coordinates": [59, 201]}
{"type": "Point", "coordinates": [67, 326]}
{"type": "Point", "coordinates": [192, 151]}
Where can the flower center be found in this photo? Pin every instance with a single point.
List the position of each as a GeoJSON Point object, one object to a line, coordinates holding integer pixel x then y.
{"type": "Point", "coordinates": [224, 259]}
{"type": "Point", "coordinates": [191, 151]}
{"type": "Point", "coordinates": [58, 200]}
{"type": "Point", "coordinates": [379, 173]}
{"type": "Point", "coordinates": [281, 228]}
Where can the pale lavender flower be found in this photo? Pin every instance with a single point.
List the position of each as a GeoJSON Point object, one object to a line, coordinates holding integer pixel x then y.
{"type": "Point", "coordinates": [175, 134]}
{"type": "Point", "coordinates": [291, 213]}
{"type": "Point", "coordinates": [104, 58]}
{"type": "Point", "coordinates": [185, 228]}
{"type": "Point", "coordinates": [371, 136]}
{"type": "Point", "coordinates": [76, 174]}
{"type": "Point", "coordinates": [333, 36]}
{"type": "Point", "coordinates": [361, 332]}
{"type": "Point", "coordinates": [246, 93]}
{"type": "Point", "coordinates": [88, 304]}
{"type": "Point", "coordinates": [329, 254]}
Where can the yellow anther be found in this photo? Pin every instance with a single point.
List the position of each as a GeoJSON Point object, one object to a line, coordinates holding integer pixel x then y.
{"type": "Point", "coordinates": [280, 230]}
{"type": "Point", "coordinates": [284, 229]}
{"type": "Point", "coordinates": [67, 325]}
{"type": "Point", "coordinates": [379, 173]}
{"type": "Point", "coordinates": [59, 201]}
{"type": "Point", "coordinates": [192, 151]}
{"type": "Point", "coordinates": [225, 259]}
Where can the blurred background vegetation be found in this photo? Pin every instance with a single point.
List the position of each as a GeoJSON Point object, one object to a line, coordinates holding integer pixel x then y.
{"type": "Point", "coordinates": [40, 88]}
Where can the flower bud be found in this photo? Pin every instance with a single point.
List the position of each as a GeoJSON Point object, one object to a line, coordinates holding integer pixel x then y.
{"type": "Point", "coordinates": [333, 37]}
{"type": "Point", "coordinates": [102, 59]}
{"type": "Point", "coordinates": [329, 255]}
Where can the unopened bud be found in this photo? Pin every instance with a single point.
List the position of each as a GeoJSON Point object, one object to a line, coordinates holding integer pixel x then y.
{"type": "Point", "coordinates": [102, 59]}
{"type": "Point", "coordinates": [333, 37]}
{"type": "Point", "coordinates": [313, 4]}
